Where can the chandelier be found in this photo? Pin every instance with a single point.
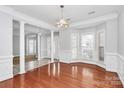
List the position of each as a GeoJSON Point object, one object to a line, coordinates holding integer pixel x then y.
{"type": "Point", "coordinates": [62, 23]}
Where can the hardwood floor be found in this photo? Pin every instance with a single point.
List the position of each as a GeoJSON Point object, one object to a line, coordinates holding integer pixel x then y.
{"type": "Point", "coordinates": [61, 75]}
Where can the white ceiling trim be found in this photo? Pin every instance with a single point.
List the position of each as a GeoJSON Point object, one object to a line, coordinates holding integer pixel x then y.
{"type": "Point", "coordinates": [30, 20]}
{"type": "Point", "coordinates": [95, 20]}
{"type": "Point", "coordinates": [27, 19]}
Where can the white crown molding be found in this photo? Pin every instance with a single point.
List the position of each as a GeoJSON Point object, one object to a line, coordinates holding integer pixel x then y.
{"type": "Point", "coordinates": [27, 19]}
{"type": "Point", "coordinates": [96, 20]}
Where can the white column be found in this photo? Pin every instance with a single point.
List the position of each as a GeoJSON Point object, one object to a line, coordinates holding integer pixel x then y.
{"type": "Point", "coordinates": [52, 46]}
{"type": "Point", "coordinates": [22, 48]}
{"type": "Point", "coordinates": [38, 44]}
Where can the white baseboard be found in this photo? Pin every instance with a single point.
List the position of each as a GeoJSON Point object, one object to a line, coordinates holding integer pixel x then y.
{"type": "Point", "coordinates": [84, 61]}
{"type": "Point", "coordinates": [6, 76]}
{"type": "Point", "coordinates": [121, 78]}
{"type": "Point", "coordinates": [64, 61]}
{"type": "Point", "coordinates": [89, 62]}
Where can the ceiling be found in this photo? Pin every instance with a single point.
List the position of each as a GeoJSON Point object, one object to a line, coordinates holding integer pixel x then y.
{"type": "Point", "coordinates": [77, 13]}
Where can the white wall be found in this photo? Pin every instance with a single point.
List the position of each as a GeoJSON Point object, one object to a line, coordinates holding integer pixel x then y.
{"type": "Point", "coordinates": [65, 45]}
{"type": "Point", "coordinates": [111, 38]}
{"type": "Point", "coordinates": [121, 47]}
{"type": "Point", "coordinates": [6, 46]}
{"type": "Point", "coordinates": [5, 34]}
{"type": "Point", "coordinates": [121, 34]}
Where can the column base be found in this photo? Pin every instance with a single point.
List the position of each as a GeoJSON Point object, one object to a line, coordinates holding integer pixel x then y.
{"type": "Point", "coordinates": [22, 72]}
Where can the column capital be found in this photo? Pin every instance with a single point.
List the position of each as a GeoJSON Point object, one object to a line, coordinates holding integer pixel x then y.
{"type": "Point", "coordinates": [52, 30]}
{"type": "Point", "coordinates": [22, 22]}
{"type": "Point", "coordinates": [39, 34]}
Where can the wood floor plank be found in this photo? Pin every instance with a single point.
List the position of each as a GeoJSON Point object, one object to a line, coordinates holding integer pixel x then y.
{"type": "Point", "coordinates": [62, 75]}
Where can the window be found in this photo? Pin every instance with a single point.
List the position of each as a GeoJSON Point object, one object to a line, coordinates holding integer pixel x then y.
{"type": "Point", "coordinates": [87, 45]}
{"type": "Point", "coordinates": [32, 46]}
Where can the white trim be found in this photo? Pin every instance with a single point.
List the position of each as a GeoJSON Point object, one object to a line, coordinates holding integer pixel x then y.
{"type": "Point", "coordinates": [39, 45]}
{"type": "Point", "coordinates": [121, 78]}
{"type": "Point", "coordinates": [6, 67]}
{"type": "Point", "coordinates": [68, 62]}
{"type": "Point", "coordinates": [6, 76]}
{"type": "Point", "coordinates": [119, 64]}
{"type": "Point", "coordinates": [119, 55]}
{"type": "Point", "coordinates": [115, 54]}
{"type": "Point", "coordinates": [84, 61]}
{"type": "Point", "coordinates": [22, 48]}
{"type": "Point", "coordinates": [89, 62]}
{"type": "Point", "coordinates": [111, 53]}
{"type": "Point", "coordinates": [111, 59]}
{"type": "Point", "coordinates": [5, 57]}
{"type": "Point", "coordinates": [52, 46]}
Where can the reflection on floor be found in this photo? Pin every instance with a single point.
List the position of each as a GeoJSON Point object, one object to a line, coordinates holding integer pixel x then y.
{"type": "Point", "coordinates": [62, 75]}
{"type": "Point", "coordinates": [31, 65]}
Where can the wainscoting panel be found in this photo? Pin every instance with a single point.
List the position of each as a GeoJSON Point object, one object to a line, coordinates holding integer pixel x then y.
{"type": "Point", "coordinates": [65, 56]}
{"type": "Point", "coordinates": [121, 68]}
{"type": "Point", "coordinates": [115, 62]}
{"type": "Point", "coordinates": [6, 68]}
{"type": "Point", "coordinates": [111, 62]}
